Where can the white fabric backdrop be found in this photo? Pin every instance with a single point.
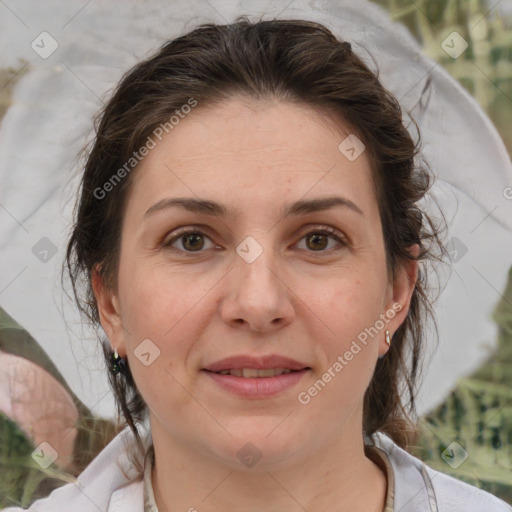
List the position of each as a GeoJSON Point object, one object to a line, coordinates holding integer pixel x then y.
{"type": "Point", "coordinates": [51, 118]}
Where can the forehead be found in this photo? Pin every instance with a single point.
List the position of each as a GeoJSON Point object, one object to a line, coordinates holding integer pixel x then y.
{"type": "Point", "coordinates": [255, 152]}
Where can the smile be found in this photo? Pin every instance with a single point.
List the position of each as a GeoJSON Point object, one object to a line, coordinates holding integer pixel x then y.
{"type": "Point", "coordinates": [253, 372]}
{"type": "Point", "coordinates": [256, 383]}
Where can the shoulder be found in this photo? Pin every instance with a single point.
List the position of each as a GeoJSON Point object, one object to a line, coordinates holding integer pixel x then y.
{"type": "Point", "coordinates": [418, 485]}
{"type": "Point", "coordinates": [453, 494]}
{"type": "Point", "coordinates": [109, 483]}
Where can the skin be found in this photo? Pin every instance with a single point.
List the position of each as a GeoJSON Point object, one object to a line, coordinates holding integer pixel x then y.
{"type": "Point", "coordinates": [299, 298]}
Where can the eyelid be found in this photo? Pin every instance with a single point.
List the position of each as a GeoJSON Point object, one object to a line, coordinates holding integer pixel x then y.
{"type": "Point", "coordinates": [342, 240]}
{"type": "Point", "coordinates": [320, 227]}
{"type": "Point", "coordinates": [179, 232]}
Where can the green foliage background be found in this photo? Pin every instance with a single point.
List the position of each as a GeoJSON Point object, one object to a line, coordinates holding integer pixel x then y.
{"type": "Point", "coordinates": [485, 68]}
{"type": "Point", "coordinates": [478, 413]}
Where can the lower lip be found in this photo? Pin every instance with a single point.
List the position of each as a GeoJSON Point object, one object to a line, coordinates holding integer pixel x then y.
{"type": "Point", "coordinates": [257, 387]}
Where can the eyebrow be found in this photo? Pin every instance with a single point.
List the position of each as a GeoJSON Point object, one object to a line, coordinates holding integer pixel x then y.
{"type": "Point", "coordinates": [209, 207]}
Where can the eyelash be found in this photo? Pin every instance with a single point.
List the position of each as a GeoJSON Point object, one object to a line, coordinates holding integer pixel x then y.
{"type": "Point", "coordinates": [324, 230]}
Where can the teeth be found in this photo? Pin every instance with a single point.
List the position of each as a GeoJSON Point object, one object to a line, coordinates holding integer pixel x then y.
{"type": "Point", "coordinates": [253, 372]}
{"type": "Point", "coordinates": [259, 373]}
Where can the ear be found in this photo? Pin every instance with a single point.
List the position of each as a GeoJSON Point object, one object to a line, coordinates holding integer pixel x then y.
{"type": "Point", "coordinates": [400, 293]}
{"type": "Point", "coordinates": [109, 312]}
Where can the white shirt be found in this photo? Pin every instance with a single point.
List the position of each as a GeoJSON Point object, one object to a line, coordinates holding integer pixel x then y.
{"type": "Point", "coordinates": [412, 485]}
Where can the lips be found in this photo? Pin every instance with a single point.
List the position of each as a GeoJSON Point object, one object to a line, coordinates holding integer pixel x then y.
{"type": "Point", "coordinates": [257, 388]}
{"type": "Point", "coordinates": [248, 362]}
{"type": "Point", "coordinates": [253, 372]}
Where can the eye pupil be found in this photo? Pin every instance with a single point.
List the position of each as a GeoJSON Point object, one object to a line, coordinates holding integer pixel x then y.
{"type": "Point", "coordinates": [315, 237]}
{"type": "Point", "coordinates": [193, 236]}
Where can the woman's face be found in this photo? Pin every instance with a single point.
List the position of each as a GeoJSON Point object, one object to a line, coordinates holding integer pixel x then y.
{"type": "Point", "coordinates": [256, 281]}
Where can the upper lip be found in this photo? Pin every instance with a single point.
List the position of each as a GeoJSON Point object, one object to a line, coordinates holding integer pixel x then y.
{"type": "Point", "coordinates": [260, 363]}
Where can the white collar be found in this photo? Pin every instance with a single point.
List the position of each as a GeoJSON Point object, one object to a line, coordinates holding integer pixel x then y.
{"type": "Point", "coordinates": [417, 487]}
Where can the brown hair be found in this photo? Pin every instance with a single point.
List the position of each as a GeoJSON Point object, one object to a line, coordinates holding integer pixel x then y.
{"type": "Point", "coordinates": [289, 60]}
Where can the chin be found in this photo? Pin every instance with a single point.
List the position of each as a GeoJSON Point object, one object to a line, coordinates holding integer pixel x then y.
{"type": "Point", "coordinates": [257, 450]}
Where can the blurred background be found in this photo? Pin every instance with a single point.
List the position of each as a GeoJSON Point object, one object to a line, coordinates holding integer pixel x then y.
{"type": "Point", "coordinates": [477, 414]}
{"type": "Point", "coordinates": [485, 69]}
{"type": "Point", "coordinates": [58, 63]}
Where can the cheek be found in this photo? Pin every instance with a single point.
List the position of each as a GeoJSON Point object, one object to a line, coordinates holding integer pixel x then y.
{"type": "Point", "coordinates": [155, 298]}
{"type": "Point", "coordinates": [161, 386]}
{"type": "Point", "coordinates": [350, 311]}
{"type": "Point", "coordinates": [155, 316]}
{"type": "Point", "coordinates": [352, 305]}
{"type": "Point", "coordinates": [168, 308]}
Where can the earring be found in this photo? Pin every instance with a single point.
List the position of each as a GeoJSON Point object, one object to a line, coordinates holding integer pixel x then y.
{"type": "Point", "coordinates": [117, 363]}
{"type": "Point", "coordinates": [388, 341]}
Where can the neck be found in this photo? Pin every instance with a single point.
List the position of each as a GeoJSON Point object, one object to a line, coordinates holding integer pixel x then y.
{"type": "Point", "coordinates": [332, 476]}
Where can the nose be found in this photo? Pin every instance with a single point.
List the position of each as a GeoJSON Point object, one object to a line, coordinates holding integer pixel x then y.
{"type": "Point", "coordinates": [258, 297]}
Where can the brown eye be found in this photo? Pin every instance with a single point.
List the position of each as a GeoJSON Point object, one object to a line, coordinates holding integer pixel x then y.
{"type": "Point", "coordinates": [191, 241]}
{"type": "Point", "coordinates": [318, 240]}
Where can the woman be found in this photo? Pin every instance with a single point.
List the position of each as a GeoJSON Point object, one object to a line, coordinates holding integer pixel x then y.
{"type": "Point", "coordinates": [247, 236]}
